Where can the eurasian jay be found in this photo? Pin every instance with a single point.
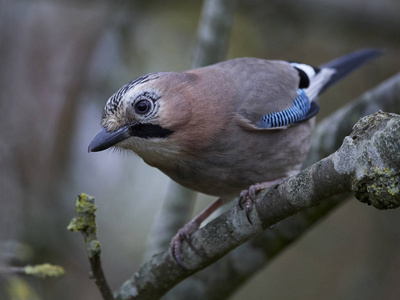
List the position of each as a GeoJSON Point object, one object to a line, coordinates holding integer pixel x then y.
{"type": "Point", "coordinates": [227, 129]}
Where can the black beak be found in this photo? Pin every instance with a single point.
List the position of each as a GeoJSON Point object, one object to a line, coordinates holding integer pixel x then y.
{"type": "Point", "coordinates": [104, 140]}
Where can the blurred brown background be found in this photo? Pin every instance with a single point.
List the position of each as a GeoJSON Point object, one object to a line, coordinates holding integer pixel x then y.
{"type": "Point", "coordinates": [61, 60]}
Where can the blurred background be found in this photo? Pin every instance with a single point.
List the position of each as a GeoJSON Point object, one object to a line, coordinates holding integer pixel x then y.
{"type": "Point", "coordinates": [61, 60]}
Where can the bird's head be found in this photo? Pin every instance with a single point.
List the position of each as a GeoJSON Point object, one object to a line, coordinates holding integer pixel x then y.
{"type": "Point", "coordinates": [144, 114]}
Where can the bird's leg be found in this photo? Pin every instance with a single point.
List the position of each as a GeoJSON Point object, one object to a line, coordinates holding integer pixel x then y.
{"type": "Point", "coordinates": [246, 197]}
{"type": "Point", "coordinates": [185, 232]}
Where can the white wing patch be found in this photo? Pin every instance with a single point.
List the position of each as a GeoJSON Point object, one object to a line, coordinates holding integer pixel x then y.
{"type": "Point", "coordinates": [317, 79]}
{"type": "Point", "coordinates": [306, 68]}
{"type": "Point", "coordinates": [318, 82]}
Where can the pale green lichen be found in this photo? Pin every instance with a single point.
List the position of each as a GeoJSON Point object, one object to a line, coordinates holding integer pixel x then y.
{"type": "Point", "coordinates": [378, 183]}
{"type": "Point", "coordinates": [85, 222]}
{"type": "Point", "coordinates": [77, 224]}
{"type": "Point", "coordinates": [393, 189]}
{"type": "Point", "coordinates": [86, 219]}
{"type": "Point", "coordinates": [380, 188]}
{"type": "Point", "coordinates": [45, 270]}
{"type": "Point", "coordinates": [384, 171]}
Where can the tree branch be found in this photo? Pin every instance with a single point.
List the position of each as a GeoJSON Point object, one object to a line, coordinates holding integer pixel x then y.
{"type": "Point", "coordinates": [329, 133]}
{"type": "Point", "coordinates": [226, 275]}
{"type": "Point", "coordinates": [360, 163]}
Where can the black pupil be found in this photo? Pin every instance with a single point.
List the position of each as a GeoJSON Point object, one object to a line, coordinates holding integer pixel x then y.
{"type": "Point", "coordinates": [142, 106]}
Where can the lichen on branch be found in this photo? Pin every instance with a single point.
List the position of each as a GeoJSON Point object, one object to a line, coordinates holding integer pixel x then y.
{"type": "Point", "coordinates": [86, 218]}
{"type": "Point", "coordinates": [85, 222]}
{"type": "Point", "coordinates": [44, 271]}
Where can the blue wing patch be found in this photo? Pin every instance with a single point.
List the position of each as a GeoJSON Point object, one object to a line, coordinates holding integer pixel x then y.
{"type": "Point", "coordinates": [301, 110]}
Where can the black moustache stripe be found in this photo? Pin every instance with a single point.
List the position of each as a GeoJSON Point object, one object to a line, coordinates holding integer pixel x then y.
{"type": "Point", "coordinates": [148, 131]}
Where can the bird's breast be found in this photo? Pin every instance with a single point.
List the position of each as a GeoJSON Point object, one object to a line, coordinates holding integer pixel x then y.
{"type": "Point", "coordinates": [237, 159]}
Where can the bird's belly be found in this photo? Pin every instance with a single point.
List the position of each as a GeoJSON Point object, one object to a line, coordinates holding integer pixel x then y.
{"type": "Point", "coordinates": [235, 163]}
{"type": "Point", "coordinates": [219, 180]}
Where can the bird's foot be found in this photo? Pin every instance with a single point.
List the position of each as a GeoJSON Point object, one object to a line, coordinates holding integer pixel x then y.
{"type": "Point", "coordinates": [183, 235]}
{"type": "Point", "coordinates": [185, 232]}
{"type": "Point", "coordinates": [247, 197]}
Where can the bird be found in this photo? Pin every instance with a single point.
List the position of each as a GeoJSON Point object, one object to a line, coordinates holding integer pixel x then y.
{"type": "Point", "coordinates": [228, 129]}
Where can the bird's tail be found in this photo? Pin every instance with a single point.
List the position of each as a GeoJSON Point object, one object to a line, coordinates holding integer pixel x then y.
{"type": "Point", "coordinates": [347, 63]}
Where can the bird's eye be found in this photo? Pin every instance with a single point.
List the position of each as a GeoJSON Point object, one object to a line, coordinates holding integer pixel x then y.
{"type": "Point", "coordinates": [142, 106]}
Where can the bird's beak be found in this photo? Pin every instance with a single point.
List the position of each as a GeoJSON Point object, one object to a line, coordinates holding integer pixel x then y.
{"type": "Point", "coordinates": [104, 140]}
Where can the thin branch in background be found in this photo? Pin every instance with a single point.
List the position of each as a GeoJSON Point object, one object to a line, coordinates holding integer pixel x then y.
{"type": "Point", "coordinates": [212, 43]}
{"type": "Point", "coordinates": [85, 222]}
{"type": "Point", "coordinates": [367, 164]}
{"type": "Point", "coordinates": [214, 32]}
{"type": "Point", "coordinates": [41, 271]}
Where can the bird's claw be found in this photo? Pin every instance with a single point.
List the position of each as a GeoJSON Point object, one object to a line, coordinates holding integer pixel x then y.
{"type": "Point", "coordinates": [176, 242]}
{"type": "Point", "coordinates": [247, 197]}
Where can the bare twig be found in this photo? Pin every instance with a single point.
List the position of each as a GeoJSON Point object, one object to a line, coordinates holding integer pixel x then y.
{"type": "Point", "coordinates": [85, 222]}
{"type": "Point", "coordinates": [41, 271]}
{"type": "Point", "coordinates": [12, 270]}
